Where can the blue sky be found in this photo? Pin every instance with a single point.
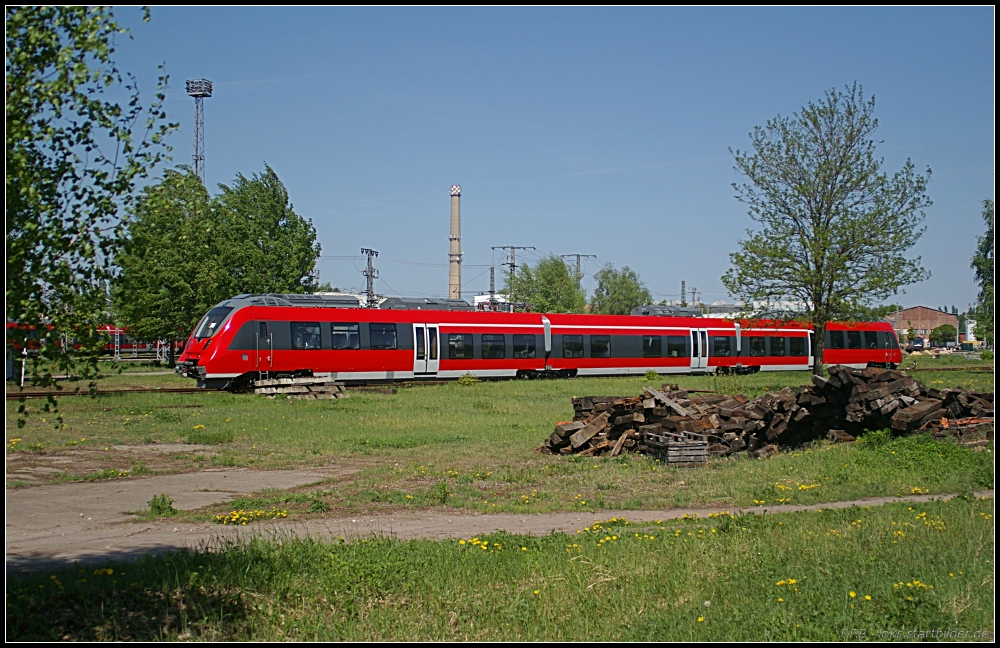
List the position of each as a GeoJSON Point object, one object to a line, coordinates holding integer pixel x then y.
{"type": "Point", "coordinates": [599, 131]}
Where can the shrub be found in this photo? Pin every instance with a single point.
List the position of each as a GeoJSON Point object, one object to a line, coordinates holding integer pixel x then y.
{"type": "Point", "coordinates": [162, 506]}
{"type": "Point", "coordinates": [317, 505]}
{"type": "Point", "coordinates": [986, 355]}
{"type": "Point", "coordinates": [874, 439]}
{"type": "Point", "coordinates": [468, 379]}
{"type": "Point", "coordinates": [652, 376]}
{"type": "Point", "coordinates": [441, 492]}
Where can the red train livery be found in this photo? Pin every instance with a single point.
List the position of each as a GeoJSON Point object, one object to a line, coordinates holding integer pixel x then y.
{"type": "Point", "coordinates": [251, 336]}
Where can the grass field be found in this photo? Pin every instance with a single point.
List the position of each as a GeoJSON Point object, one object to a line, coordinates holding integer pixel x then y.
{"type": "Point", "coordinates": [796, 576]}
{"type": "Point", "coordinates": [790, 576]}
{"type": "Point", "coordinates": [472, 447]}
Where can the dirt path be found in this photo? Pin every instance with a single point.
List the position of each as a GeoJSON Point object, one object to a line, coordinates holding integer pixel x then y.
{"type": "Point", "coordinates": [56, 525]}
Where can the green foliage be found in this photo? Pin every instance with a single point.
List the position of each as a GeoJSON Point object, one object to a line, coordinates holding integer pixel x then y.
{"type": "Point", "coordinates": [440, 493]}
{"type": "Point", "coordinates": [618, 291]}
{"type": "Point", "coordinates": [874, 439]}
{"type": "Point", "coordinates": [986, 355]}
{"type": "Point", "coordinates": [834, 227]}
{"type": "Point", "coordinates": [170, 274]}
{"type": "Point", "coordinates": [983, 263]}
{"type": "Point", "coordinates": [162, 506]}
{"type": "Point", "coordinates": [201, 436]}
{"type": "Point", "coordinates": [468, 378]}
{"type": "Point", "coordinates": [652, 376]}
{"type": "Point", "coordinates": [78, 139]}
{"type": "Point", "coordinates": [549, 287]}
{"type": "Point", "coordinates": [264, 245]}
{"type": "Point", "coordinates": [944, 333]}
{"type": "Point", "coordinates": [187, 251]}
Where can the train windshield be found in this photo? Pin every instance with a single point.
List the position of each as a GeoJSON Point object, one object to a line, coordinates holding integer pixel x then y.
{"type": "Point", "coordinates": [210, 324]}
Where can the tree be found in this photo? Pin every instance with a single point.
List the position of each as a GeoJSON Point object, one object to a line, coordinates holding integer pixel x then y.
{"type": "Point", "coordinates": [983, 264]}
{"type": "Point", "coordinates": [549, 287]}
{"type": "Point", "coordinates": [270, 247]}
{"type": "Point", "coordinates": [834, 227]}
{"type": "Point", "coordinates": [944, 334]}
{"type": "Point", "coordinates": [169, 271]}
{"type": "Point", "coordinates": [73, 157]}
{"type": "Point", "coordinates": [618, 291]}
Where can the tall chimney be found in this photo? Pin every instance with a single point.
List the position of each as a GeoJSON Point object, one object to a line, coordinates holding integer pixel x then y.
{"type": "Point", "coordinates": [455, 249]}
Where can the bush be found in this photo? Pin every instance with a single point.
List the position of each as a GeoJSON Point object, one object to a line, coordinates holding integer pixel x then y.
{"type": "Point", "coordinates": [874, 439]}
{"type": "Point", "coordinates": [162, 506]}
{"type": "Point", "coordinates": [441, 492]}
{"type": "Point", "coordinates": [652, 376]}
{"type": "Point", "coordinates": [468, 379]}
{"type": "Point", "coordinates": [986, 355]}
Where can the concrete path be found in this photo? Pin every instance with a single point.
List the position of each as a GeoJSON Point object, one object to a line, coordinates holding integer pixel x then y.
{"type": "Point", "coordinates": [48, 527]}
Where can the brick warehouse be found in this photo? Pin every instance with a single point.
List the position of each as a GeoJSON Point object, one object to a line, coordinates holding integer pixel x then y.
{"type": "Point", "coordinates": [921, 320]}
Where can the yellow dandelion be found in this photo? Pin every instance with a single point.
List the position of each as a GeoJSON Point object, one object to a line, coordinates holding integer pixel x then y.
{"type": "Point", "coordinates": [853, 594]}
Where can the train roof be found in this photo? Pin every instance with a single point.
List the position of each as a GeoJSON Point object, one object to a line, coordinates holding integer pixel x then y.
{"type": "Point", "coordinates": [325, 300]}
{"type": "Point", "coordinates": [407, 303]}
{"type": "Point", "coordinates": [667, 311]}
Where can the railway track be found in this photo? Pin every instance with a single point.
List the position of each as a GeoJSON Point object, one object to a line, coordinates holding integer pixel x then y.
{"type": "Point", "coordinates": [105, 392]}
{"type": "Point", "coordinates": [981, 369]}
{"type": "Point", "coordinates": [378, 388]}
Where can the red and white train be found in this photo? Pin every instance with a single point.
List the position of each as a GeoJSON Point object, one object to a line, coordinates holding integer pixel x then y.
{"type": "Point", "coordinates": [251, 336]}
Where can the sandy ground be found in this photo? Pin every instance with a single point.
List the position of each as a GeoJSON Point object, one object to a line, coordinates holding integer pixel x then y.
{"type": "Point", "coordinates": [51, 526]}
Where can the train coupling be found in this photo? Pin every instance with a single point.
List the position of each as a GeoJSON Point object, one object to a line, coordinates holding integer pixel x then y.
{"type": "Point", "coordinates": [190, 369]}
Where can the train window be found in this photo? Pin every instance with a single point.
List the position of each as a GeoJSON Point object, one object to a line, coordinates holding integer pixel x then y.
{"type": "Point", "coordinates": [722, 346]}
{"type": "Point", "coordinates": [871, 340]}
{"type": "Point", "coordinates": [305, 335]}
{"type": "Point", "coordinates": [891, 341]}
{"type": "Point", "coordinates": [572, 346]}
{"type": "Point", "coordinates": [345, 335]}
{"type": "Point", "coordinates": [652, 346]}
{"type": "Point", "coordinates": [262, 330]}
{"type": "Point", "coordinates": [797, 346]}
{"type": "Point", "coordinates": [524, 346]}
{"type": "Point", "coordinates": [600, 346]}
{"type": "Point", "coordinates": [209, 324]}
{"type": "Point", "coordinates": [854, 339]}
{"type": "Point", "coordinates": [460, 346]}
{"type": "Point", "coordinates": [382, 336]}
{"type": "Point", "coordinates": [777, 346]}
{"type": "Point", "coordinates": [677, 346]}
{"type": "Point", "coordinates": [836, 340]}
{"type": "Point", "coordinates": [756, 346]}
{"type": "Point", "coordinates": [494, 346]}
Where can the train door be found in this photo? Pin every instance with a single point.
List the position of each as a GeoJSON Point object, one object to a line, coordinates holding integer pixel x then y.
{"type": "Point", "coordinates": [264, 345]}
{"type": "Point", "coordinates": [699, 348]}
{"type": "Point", "coordinates": [426, 356]}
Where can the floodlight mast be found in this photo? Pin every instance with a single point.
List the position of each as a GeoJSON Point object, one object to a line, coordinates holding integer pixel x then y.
{"type": "Point", "coordinates": [199, 89]}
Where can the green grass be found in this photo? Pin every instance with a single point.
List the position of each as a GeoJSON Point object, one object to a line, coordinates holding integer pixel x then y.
{"type": "Point", "coordinates": [787, 577]}
{"type": "Point", "coordinates": [479, 441]}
